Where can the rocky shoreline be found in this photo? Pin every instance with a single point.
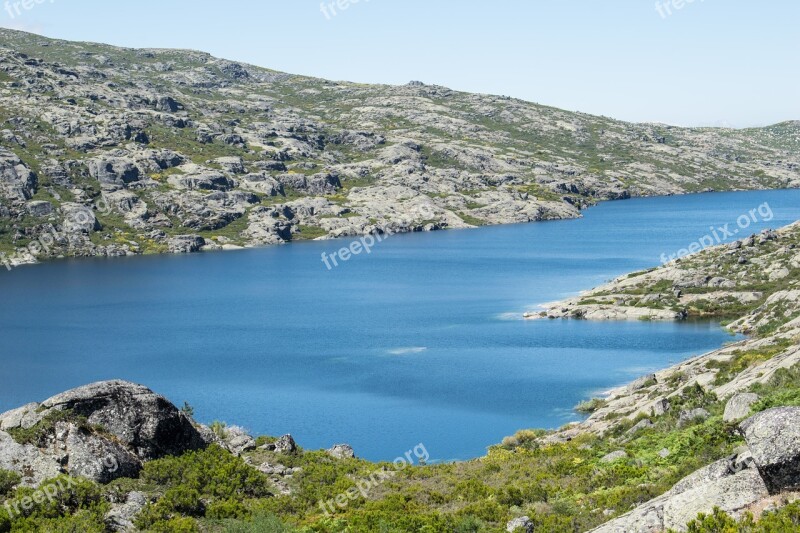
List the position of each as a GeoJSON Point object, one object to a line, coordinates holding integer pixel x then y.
{"type": "Point", "coordinates": [758, 293]}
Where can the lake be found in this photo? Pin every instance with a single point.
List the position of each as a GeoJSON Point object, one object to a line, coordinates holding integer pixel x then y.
{"type": "Point", "coordinates": [420, 341]}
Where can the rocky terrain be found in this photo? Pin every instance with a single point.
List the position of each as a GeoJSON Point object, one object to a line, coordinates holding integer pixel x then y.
{"type": "Point", "coordinates": [711, 444]}
{"type": "Point", "coordinates": [754, 284]}
{"type": "Point", "coordinates": [110, 151]}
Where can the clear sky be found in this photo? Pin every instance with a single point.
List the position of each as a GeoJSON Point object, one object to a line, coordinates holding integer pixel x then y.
{"type": "Point", "coordinates": [706, 62]}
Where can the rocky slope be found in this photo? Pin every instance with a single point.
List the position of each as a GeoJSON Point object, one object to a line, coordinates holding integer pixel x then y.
{"type": "Point", "coordinates": [753, 284]}
{"type": "Point", "coordinates": [111, 151]}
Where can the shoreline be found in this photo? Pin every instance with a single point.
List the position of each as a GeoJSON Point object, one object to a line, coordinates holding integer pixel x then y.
{"type": "Point", "coordinates": [17, 259]}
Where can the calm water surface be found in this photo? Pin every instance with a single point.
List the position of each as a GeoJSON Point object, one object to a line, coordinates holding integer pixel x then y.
{"type": "Point", "coordinates": [418, 342]}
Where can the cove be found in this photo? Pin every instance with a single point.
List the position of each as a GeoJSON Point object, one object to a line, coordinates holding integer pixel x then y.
{"type": "Point", "coordinates": [419, 341]}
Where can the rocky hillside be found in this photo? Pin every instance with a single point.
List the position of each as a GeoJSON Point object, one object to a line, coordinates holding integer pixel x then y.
{"type": "Point", "coordinates": [753, 283]}
{"type": "Point", "coordinates": [709, 445]}
{"type": "Point", "coordinates": [754, 286]}
{"type": "Point", "coordinates": [112, 151]}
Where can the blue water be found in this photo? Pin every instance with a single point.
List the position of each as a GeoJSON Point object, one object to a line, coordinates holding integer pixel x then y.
{"type": "Point", "coordinates": [418, 342]}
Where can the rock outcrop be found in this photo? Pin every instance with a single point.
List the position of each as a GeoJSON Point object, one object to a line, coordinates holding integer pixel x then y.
{"type": "Point", "coordinates": [770, 465]}
{"type": "Point", "coordinates": [773, 438]}
{"type": "Point", "coordinates": [101, 431]}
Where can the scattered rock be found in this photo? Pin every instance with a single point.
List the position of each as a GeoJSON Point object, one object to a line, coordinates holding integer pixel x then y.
{"type": "Point", "coordinates": [717, 485]}
{"type": "Point", "coordinates": [79, 219]}
{"type": "Point", "coordinates": [641, 425]}
{"type": "Point", "coordinates": [285, 445]}
{"type": "Point", "coordinates": [522, 524]}
{"type": "Point", "coordinates": [234, 165]}
{"type": "Point", "coordinates": [614, 456]}
{"type": "Point", "coordinates": [95, 457]}
{"type": "Point", "coordinates": [738, 407]}
{"type": "Point", "coordinates": [642, 382]}
{"type": "Point", "coordinates": [185, 244]}
{"type": "Point", "coordinates": [342, 451]}
{"type": "Point", "coordinates": [661, 407]}
{"type": "Point", "coordinates": [237, 441]}
{"type": "Point", "coordinates": [121, 516]}
{"type": "Point", "coordinates": [112, 170]}
{"type": "Point", "coordinates": [693, 415]}
{"type": "Point", "coordinates": [40, 209]}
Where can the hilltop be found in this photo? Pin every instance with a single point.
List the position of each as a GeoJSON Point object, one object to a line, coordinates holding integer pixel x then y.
{"type": "Point", "coordinates": [112, 151]}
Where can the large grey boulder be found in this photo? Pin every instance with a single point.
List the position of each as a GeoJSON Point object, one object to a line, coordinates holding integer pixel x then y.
{"type": "Point", "coordinates": [286, 445]}
{"type": "Point", "coordinates": [661, 406]}
{"type": "Point", "coordinates": [146, 422]}
{"type": "Point", "coordinates": [39, 208]}
{"type": "Point", "coordinates": [641, 383]}
{"type": "Point", "coordinates": [318, 184]}
{"type": "Point", "coordinates": [232, 164]}
{"type": "Point", "coordinates": [207, 180]}
{"type": "Point", "coordinates": [262, 183]}
{"type": "Point", "coordinates": [738, 407]}
{"type": "Point", "coordinates": [158, 160]}
{"type": "Point", "coordinates": [774, 441]}
{"type": "Point", "coordinates": [24, 417]}
{"type": "Point", "coordinates": [111, 170]}
{"type": "Point", "coordinates": [729, 484]}
{"type": "Point", "coordinates": [238, 441]}
{"type": "Point", "coordinates": [79, 218]}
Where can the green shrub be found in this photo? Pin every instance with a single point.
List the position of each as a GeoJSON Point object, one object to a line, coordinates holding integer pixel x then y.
{"type": "Point", "coordinates": [72, 504]}
{"type": "Point", "coordinates": [590, 406]}
{"type": "Point", "coordinates": [8, 480]}
{"type": "Point", "coordinates": [226, 509]}
{"type": "Point", "coordinates": [219, 429]}
{"type": "Point", "coordinates": [716, 522]}
{"type": "Point", "coordinates": [785, 519]}
{"type": "Point", "coordinates": [260, 523]}
{"type": "Point", "coordinates": [174, 525]}
{"type": "Point", "coordinates": [183, 500]}
{"type": "Point", "coordinates": [213, 473]}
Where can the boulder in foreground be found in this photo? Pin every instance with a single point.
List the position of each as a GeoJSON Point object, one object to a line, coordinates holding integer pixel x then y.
{"type": "Point", "coordinates": [774, 440]}
{"type": "Point", "coordinates": [101, 431]}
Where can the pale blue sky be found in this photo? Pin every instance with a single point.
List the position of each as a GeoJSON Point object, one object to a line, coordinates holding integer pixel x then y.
{"type": "Point", "coordinates": [710, 62]}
